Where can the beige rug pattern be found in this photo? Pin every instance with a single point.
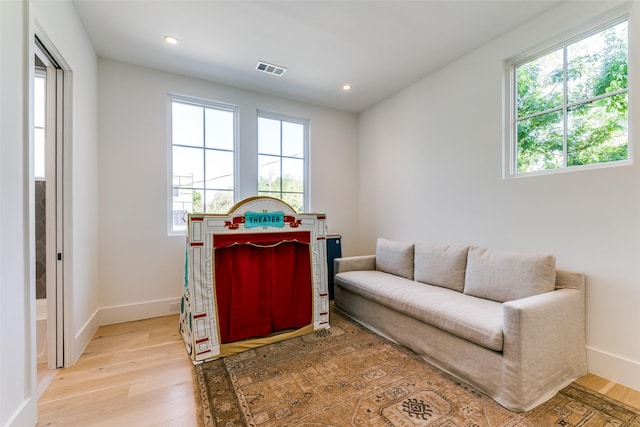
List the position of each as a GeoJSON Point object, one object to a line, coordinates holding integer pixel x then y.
{"type": "Point", "coordinates": [348, 376]}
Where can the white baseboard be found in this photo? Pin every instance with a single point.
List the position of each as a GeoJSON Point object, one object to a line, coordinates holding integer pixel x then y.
{"type": "Point", "coordinates": [83, 337]}
{"type": "Point", "coordinates": [614, 368]}
{"type": "Point", "coordinates": [25, 415]}
{"type": "Point", "coordinates": [139, 311]}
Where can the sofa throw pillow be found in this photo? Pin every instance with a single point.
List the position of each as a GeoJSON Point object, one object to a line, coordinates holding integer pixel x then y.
{"type": "Point", "coordinates": [395, 257]}
{"type": "Point", "coordinates": [441, 265]}
{"type": "Point", "coordinates": [507, 276]}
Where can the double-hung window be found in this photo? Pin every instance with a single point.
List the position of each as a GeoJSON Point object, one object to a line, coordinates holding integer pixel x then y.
{"type": "Point", "coordinates": [569, 105]}
{"type": "Point", "coordinates": [282, 159]}
{"type": "Point", "coordinates": [203, 141]}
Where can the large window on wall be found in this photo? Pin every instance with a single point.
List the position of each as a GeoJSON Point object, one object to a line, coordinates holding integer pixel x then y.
{"type": "Point", "coordinates": [282, 159]}
{"type": "Point", "coordinates": [569, 105]}
{"type": "Point", "coordinates": [203, 141]}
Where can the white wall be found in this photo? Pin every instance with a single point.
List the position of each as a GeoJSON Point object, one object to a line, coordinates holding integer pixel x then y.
{"type": "Point", "coordinates": [141, 267]}
{"type": "Point", "coordinates": [65, 34]}
{"type": "Point", "coordinates": [58, 22]}
{"type": "Point", "coordinates": [431, 166]}
{"type": "Point", "coordinates": [17, 345]}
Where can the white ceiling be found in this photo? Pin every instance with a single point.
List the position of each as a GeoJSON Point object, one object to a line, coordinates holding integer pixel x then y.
{"type": "Point", "coordinates": [379, 47]}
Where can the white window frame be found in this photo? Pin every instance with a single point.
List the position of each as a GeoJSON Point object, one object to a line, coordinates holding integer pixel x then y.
{"type": "Point", "coordinates": [301, 121]}
{"type": "Point", "coordinates": [510, 138]}
{"type": "Point", "coordinates": [205, 103]}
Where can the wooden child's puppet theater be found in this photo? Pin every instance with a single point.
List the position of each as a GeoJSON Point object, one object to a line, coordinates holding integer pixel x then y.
{"type": "Point", "coordinates": [253, 276]}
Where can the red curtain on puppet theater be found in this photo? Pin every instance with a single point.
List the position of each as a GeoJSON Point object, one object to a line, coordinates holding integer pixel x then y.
{"type": "Point", "coordinates": [262, 283]}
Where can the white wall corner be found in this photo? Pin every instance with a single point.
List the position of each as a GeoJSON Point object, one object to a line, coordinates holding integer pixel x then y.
{"type": "Point", "coordinates": [83, 337]}
{"type": "Point", "coordinates": [614, 368]}
{"type": "Point", "coordinates": [139, 311]}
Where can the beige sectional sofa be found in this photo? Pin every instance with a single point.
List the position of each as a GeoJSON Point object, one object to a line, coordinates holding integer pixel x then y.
{"type": "Point", "coordinates": [509, 324]}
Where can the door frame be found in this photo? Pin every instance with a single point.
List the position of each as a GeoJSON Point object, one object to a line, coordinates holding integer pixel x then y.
{"type": "Point", "coordinates": [56, 115]}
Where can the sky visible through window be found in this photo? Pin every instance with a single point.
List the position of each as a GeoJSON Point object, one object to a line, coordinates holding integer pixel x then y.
{"type": "Point", "coordinates": [202, 160]}
{"type": "Point", "coordinates": [39, 115]}
{"type": "Point", "coordinates": [281, 161]}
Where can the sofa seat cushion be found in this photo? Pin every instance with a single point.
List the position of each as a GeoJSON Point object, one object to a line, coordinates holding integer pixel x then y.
{"type": "Point", "coordinates": [474, 319]}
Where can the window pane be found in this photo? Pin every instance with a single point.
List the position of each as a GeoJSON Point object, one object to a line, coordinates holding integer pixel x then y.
{"type": "Point", "coordinates": [219, 169]}
{"type": "Point", "coordinates": [598, 64]}
{"type": "Point", "coordinates": [597, 131]}
{"type": "Point", "coordinates": [293, 175]}
{"type": "Point", "coordinates": [292, 139]}
{"type": "Point", "coordinates": [269, 173]}
{"type": "Point", "coordinates": [540, 84]}
{"type": "Point", "coordinates": [184, 201]}
{"type": "Point", "coordinates": [294, 200]}
{"type": "Point", "coordinates": [188, 166]}
{"type": "Point", "coordinates": [187, 126]}
{"type": "Point", "coordinates": [281, 160]}
{"type": "Point", "coordinates": [579, 121]}
{"type": "Point", "coordinates": [219, 129]}
{"type": "Point", "coordinates": [39, 112]}
{"type": "Point", "coordinates": [203, 158]}
{"type": "Point", "coordinates": [218, 201]}
{"type": "Point", "coordinates": [268, 136]}
{"type": "Point", "coordinates": [540, 143]}
{"type": "Point", "coordinates": [39, 104]}
{"type": "Point", "coordinates": [270, 194]}
{"type": "Point", "coordinates": [179, 220]}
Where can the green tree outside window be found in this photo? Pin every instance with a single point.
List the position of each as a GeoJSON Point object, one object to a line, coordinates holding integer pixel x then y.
{"type": "Point", "coordinates": [571, 104]}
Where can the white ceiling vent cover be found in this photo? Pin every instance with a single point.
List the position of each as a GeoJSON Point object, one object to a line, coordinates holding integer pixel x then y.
{"type": "Point", "coordinates": [276, 70]}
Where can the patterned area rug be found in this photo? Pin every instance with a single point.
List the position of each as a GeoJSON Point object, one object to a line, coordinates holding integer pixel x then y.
{"type": "Point", "coordinates": [348, 376]}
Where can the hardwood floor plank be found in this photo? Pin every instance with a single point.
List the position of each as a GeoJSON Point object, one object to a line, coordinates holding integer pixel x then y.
{"type": "Point", "coordinates": [623, 394]}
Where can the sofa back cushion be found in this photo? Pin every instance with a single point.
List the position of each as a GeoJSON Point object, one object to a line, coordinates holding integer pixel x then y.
{"type": "Point", "coordinates": [506, 276]}
{"type": "Point", "coordinates": [395, 257]}
{"type": "Point", "coordinates": [443, 266]}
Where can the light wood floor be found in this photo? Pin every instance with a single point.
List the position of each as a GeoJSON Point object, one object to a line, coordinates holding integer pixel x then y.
{"type": "Point", "coordinates": [139, 374]}
{"type": "Point", "coordinates": [131, 374]}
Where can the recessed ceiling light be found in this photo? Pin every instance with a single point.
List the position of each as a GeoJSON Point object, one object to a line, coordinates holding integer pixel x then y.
{"type": "Point", "coordinates": [346, 87]}
{"type": "Point", "coordinates": [171, 40]}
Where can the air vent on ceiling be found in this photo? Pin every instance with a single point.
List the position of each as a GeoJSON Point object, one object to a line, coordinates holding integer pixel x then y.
{"type": "Point", "coordinates": [276, 70]}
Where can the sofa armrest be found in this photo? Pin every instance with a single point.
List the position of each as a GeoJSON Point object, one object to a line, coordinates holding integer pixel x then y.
{"type": "Point", "coordinates": [570, 280]}
{"type": "Point", "coordinates": [544, 342]}
{"type": "Point", "coordinates": [354, 263]}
